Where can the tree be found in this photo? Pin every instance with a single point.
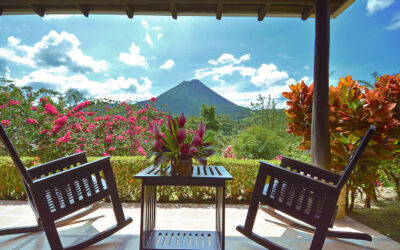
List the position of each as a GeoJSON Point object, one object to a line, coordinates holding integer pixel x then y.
{"type": "Point", "coordinates": [264, 112]}
{"type": "Point", "coordinates": [209, 116]}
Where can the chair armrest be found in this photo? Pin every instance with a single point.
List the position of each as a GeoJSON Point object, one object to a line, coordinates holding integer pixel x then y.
{"type": "Point", "coordinates": [299, 179]}
{"type": "Point", "coordinates": [69, 175]}
{"type": "Point", "coordinates": [57, 165]}
{"type": "Point", "coordinates": [309, 169]}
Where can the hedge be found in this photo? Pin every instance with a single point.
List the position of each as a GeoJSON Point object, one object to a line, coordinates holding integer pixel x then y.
{"type": "Point", "coordinates": [238, 191]}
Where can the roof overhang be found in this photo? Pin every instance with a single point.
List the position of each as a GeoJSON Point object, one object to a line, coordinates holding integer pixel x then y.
{"type": "Point", "coordinates": [257, 8]}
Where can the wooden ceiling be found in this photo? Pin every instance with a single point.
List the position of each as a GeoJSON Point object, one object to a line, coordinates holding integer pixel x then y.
{"type": "Point", "coordinates": [218, 8]}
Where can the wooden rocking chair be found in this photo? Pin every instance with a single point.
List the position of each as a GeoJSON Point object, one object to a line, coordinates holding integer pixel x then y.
{"type": "Point", "coordinates": [59, 191]}
{"type": "Point", "coordinates": [304, 192]}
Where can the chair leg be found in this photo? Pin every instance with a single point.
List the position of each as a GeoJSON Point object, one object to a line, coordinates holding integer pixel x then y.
{"type": "Point", "coordinates": [319, 238]}
{"type": "Point", "coordinates": [255, 200]}
{"type": "Point", "coordinates": [52, 234]}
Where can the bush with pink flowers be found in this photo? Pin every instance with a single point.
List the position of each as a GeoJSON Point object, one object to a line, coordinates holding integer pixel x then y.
{"type": "Point", "coordinates": [40, 124]}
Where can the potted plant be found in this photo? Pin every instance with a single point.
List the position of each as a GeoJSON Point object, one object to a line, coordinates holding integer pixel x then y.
{"type": "Point", "coordinates": [177, 146]}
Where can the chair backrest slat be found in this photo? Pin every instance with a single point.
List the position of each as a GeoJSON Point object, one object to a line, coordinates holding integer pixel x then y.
{"type": "Point", "coordinates": [14, 155]}
{"type": "Point", "coordinates": [356, 156]}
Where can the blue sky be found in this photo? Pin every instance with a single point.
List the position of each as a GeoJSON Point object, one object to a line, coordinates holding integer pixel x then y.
{"type": "Point", "coordinates": [239, 58]}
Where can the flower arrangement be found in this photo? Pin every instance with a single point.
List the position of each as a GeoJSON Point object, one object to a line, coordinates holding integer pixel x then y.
{"type": "Point", "coordinates": [176, 145]}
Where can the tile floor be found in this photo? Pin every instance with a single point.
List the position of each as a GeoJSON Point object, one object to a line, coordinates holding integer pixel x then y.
{"type": "Point", "coordinates": [185, 217]}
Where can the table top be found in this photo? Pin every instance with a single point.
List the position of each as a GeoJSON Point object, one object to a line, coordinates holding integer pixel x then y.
{"type": "Point", "coordinates": [216, 173]}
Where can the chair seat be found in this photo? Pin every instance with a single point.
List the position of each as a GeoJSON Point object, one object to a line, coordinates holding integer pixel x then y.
{"type": "Point", "coordinates": [287, 197]}
{"type": "Point", "coordinates": [78, 189]}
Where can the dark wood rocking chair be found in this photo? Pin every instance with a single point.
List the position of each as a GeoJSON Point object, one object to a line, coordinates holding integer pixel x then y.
{"type": "Point", "coordinates": [59, 191]}
{"type": "Point", "coordinates": [304, 192]}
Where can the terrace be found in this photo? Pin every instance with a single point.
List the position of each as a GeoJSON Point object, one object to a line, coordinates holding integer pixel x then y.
{"type": "Point", "coordinates": [13, 213]}
{"type": "Point", "coordinates": [178, 216]}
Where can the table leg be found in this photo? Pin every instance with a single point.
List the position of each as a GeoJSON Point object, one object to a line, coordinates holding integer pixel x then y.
{"type": "Point", "coordinates": [220, 215]}
{"type": "Point", "coordinates": [148, 214]}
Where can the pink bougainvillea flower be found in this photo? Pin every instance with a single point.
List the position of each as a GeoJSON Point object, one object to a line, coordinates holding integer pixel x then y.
{"type": "Point", "coordinates": [106, 154]}
{"type": "Point", "coordinates": [66, 138]}
{"type": "Point", "coordinates": [50, 109]}
{"type": "Point", "coordinates": [33, 108]}
{"type": "Point", "coordinates": [111, 149]}
{"type": "Point", "coordinates": [141, 151]}
{"type": "Point", "coordinates": [78, 150]}
{"type": "Point", "coordinates": [181, 120]}
{"type": "Point", "coordinates": [153, 99]}
{"type": "Point", "coordinates": [31, 121]}
{"type": "Point", "coordinates": [13, 103]}
{"type": "Point", "coordinates": [43, 99]}
{"type": "Point", "coordinates": [5, 123]}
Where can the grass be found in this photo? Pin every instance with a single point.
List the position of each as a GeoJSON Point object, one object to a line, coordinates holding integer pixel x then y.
{"type": "Point", "coordinates": [382, 217]}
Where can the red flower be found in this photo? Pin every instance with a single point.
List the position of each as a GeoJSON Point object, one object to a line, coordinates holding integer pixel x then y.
{"type": "Point", "coordinates": [5, 123]}
{"type": "Point", "coordinates": [13, 103]}
{"type": "Point", "coordinates": [111, 149]}
{"type": "Point", "coordinates": [33, 108]}
{"type": "Point", "coordinates": [201, 130]}
{"type": "Point", "coordinates": [78, 150]}
{"type": "Point", "coordinates": [196, 140]}
{"type": "Point", "coordinates": [31, 121]}
{"type": "Point", "coordinates": [105, 154]}
{"type": "Point", "coordinates": [181, 120]}
{"type": "Point", "coordinates": [66, 138]}
{"type": "Point", "coordinates": [181, 135]}
{"type": "Point", "coordinates": [153, 99]}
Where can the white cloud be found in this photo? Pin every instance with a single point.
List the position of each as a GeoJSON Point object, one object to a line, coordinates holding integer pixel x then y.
{"type": "Point", "coordinates": [157, 28]}
{"type": "Point", "coordinates": [120, 88]}
{"type": "Point", "coordinates": [395, 23]}
{"type": "Point", "coordinates": [57, 17]}
{"type": "Point", "coordinates": [267, 75]}
{"type": "Point", "coordinates": [13, 41]}
{"type": "Point", "coordinates": [377, 5]}
{"type": "Point", "coordinates": [229, 58]}
{"type": "Point", "coordinates": [145, 24]}
{"type": "Point", "coordinates": [133, 57]}
{"type": "Point", "coordinates": [159, 35]}
{"type": "Point", "coordinates": [148, 40]}
{"type": "Point", "coordinates": [306, 67]}
{"type": "Point", "coordinates": [283, 56]}
{"type": "Point", "coordinates": [168, 64]}
{"type": "Point", "coordinates": [52, 51]}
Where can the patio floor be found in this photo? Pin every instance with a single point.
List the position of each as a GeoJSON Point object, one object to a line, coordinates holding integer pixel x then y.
{"type": "Point", "coordinates": [185, 217]}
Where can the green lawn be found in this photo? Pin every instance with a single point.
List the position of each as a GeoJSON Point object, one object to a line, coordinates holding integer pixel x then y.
{"type": "Point", "coordinates": [382, 217]}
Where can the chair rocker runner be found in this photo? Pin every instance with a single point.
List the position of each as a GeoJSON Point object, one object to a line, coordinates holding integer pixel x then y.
{"type": "Point", "coordinates": [304, 192]}
{"type": "Point", "coordinates": [59, 190]}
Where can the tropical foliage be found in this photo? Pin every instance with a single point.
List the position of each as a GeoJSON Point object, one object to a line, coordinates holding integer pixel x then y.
{"type": "Point", "coordinates": [352, 110]}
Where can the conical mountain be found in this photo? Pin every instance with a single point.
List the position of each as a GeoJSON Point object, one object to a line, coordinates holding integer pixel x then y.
{"type": "Point", "coordinates": [188, 97]}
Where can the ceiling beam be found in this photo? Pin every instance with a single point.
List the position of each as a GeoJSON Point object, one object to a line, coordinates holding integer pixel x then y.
{"type": "Point", "coordinates": [38, 9]}
{"type": "Point", "coordinates": [220, 8]}
{"type": "Point", "coordinates": [84, 9]}
{"type": "Point", "coordinates": [188, 2]}
{"type": "Point", "coordinates": [262, 11]}
{"type": "Point", "coordinates": [174, 13]}
{"type": "Point", "coordinates": [128, 9]}
{"type": "Point", "coordinates": [306, 13]}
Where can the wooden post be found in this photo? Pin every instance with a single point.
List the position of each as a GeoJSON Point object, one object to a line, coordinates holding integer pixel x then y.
{"type": "Point", "coordinates": [320, 145]}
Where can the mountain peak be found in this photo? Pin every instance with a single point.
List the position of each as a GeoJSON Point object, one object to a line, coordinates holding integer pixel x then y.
{"type": "Point", "coordinates": [188, 97]}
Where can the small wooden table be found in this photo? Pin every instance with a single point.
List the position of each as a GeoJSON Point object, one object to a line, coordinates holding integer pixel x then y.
{"type": "Point", "coordinates": [210, 176]}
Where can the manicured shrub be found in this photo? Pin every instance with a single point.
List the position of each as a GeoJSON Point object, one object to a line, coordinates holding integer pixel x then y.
{"type": "Point", "coordinates": [238, 191]}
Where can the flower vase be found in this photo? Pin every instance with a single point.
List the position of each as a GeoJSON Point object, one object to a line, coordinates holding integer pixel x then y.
{"type": "Point", "coordinates": [182, 167]}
